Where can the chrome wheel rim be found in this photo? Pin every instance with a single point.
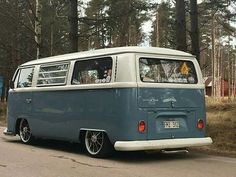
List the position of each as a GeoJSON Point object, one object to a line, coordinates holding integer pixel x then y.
{"type": "Point", "coordinates": [94, 141]}
{"type": "Point", "coordinates": [25, 133]}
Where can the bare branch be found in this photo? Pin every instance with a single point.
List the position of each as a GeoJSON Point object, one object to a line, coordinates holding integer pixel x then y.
{"type": "Point", "coordinates": [30, 19]}
{"type": "Point", "coordinates": [14, 19]}
{"type": "Point", "coordinates": [32, 9]}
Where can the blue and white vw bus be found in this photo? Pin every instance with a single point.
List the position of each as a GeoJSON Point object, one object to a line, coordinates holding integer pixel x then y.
{"type": "Point", "coordinates": [127, 99]}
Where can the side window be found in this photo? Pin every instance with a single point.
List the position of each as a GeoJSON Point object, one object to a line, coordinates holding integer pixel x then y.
{"type": "Point", "coordinates": [25, 77]}
{"type": "Point", "coordinates": [92, 71]}
{"type": "Point", "coordinates": [53, 75]}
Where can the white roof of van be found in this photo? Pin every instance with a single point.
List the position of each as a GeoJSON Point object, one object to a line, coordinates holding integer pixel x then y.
{"type": "Point", "coordinates": [109, 51]}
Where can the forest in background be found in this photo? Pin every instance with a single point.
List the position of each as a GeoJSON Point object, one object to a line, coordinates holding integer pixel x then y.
{"type": "Point", "coordinates": [33, 29]}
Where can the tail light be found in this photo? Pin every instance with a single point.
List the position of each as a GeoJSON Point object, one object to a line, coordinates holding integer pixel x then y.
{"type": "Point", "coordinates": [141, 126]}
{"type": "Point", "coordinates": [200, 124]}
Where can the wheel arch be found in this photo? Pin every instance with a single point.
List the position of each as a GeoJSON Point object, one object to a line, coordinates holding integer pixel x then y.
{"type": "Point", "coordinates": [82, 132]}
{"type": "Point", "coordinates": [17, 125]}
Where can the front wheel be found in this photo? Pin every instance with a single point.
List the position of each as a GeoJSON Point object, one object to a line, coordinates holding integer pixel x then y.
{"type": "Point", "coordinates": [25, 132]}
{"type": "Point", "coordinates": [97, 143]}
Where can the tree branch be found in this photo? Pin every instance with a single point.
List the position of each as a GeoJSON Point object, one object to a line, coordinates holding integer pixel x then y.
{"type": "Point", "coordinates": [31, 8]}
{"type": "Point", "coordinates": [14, 19]}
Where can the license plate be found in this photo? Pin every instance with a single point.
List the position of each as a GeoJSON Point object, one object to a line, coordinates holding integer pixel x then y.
{"type": "Point", "coordinates": [171, 124]}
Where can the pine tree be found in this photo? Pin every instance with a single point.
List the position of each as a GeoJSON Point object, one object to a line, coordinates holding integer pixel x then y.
{"type": "Point", "coordinates": [218, 14]}
{"type": "Point", "coordinates": [38, 27]}
{"type": "Point", "coordinates": [194, 29]}
{"type": "Point", "coordinates": [105, 25]}
{"type": "Point", "coordinates": [163, 34]}
{"type": "Point", "coordinates": [181, 43]}
{"type": "Point", "coordinates": [73, 19]}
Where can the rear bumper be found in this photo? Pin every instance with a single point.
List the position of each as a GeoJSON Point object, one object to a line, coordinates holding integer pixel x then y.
{"type": "Point", "coordinates": [161, 144]}
{"type": "Point", "coordinates": [8, 133]}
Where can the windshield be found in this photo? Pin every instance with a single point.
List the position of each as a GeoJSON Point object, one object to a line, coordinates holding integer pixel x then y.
{"type": "Point", "coordinates": [167, 71]}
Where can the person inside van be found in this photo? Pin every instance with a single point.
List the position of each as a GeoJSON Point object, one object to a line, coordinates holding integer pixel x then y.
{"type": "Point", "coordinates": [104, 73]}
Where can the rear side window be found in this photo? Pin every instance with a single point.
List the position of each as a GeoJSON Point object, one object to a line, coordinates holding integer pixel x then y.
{"type": "Point", "coordinates": [92, 71]}
{"type": "Point", "coordinates": [167, 71]}
{"type": "Point", "coordinates": [52, 75]}
{"type": "Point", "coordinates": [25, 77]}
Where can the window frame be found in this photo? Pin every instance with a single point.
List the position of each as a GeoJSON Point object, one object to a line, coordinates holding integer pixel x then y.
{"type": "Point", "coordinates": [18, 74]}
{"type": "Point", "coordinates": [51, 84]}
{"type": "Point", "coordinates": [170, 59]}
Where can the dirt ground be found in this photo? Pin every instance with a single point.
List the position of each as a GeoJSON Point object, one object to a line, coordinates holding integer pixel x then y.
{"type": "Point", "coordinates": [221, 127]}
{"type": "Point", "coordinates": [2, 114]}
{"type": "Point", "coordinates": [57, 159]}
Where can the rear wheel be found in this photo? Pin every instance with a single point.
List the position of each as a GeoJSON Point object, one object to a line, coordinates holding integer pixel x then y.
{"type": "Point", "coordinates": [25, 132]}
{"type": "Point", "coordinates": [97, 143]}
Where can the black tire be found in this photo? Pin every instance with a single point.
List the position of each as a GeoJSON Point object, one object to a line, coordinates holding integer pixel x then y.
{"type": "Point", "coordinates": [97, 144]}
{"type": "Point", "coordinates": [25, 132]}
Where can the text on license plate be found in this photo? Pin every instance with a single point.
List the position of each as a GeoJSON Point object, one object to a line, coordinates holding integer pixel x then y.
{"type": "Point", "coordinates": [171, 124]}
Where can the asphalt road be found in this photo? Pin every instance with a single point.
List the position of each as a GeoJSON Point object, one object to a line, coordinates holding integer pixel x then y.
{"type": "Point", "coordinates": [61, 159]}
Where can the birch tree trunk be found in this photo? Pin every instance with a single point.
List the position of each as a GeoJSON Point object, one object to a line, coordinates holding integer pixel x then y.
{"type": "Point", "coordinates": [213, 56]}
{"type": "Point", "coordinates": [219, 80]}
{"type": "Point", "coordinates": [38, 27]}
{"type": "Point", "coordinates": [157, 29]}
{"type": "Point", "coordinates": [234, 73]}
{"type": "Point", "coordinates": [232, 79]}
{"type": "Point", "coordinates": [222, 71]}
{"type": "Point", "coordinates": [229, 78]}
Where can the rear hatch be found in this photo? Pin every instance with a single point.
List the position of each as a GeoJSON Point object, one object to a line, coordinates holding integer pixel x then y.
{"type": "Point", "coordinates": [172, 98]}
{"type": "Point", "coordinates": [172, 113]}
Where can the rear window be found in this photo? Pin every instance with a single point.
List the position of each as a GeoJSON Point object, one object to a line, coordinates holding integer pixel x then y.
{"type": "Point", "coordinates": [154, 70]}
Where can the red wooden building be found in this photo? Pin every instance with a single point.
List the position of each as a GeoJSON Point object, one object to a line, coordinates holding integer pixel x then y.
{"type": "Point", "coordinates": [224, 86]}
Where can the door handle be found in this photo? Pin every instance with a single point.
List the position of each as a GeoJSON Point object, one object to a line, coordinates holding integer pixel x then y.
{"type": "Point", "coordinates": [28, 100]}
